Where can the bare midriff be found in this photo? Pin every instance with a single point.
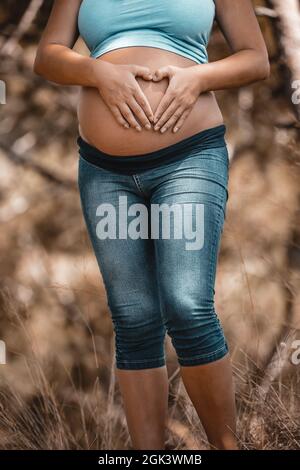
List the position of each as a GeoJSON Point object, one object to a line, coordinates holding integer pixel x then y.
{"type": "Point", "coordinates": [99, 127]}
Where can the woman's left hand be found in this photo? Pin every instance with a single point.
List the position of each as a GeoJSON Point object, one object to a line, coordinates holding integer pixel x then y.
{"type": "Point", "coordinates": [178, 101]}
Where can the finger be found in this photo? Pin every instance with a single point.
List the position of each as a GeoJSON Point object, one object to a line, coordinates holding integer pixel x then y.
{"type": "Point", "coordinates": [163, 105]}
{"type": "Point", "coordinates": [162, 72]}
{"type": "Point", "coordinates": [139, 112]}
{"type": "Point", "coordinates": [144, 103]}
{"type": "Point", "coordinates": [170, 110]}
{"type": "Point", "coordinates": [119, 117]}
{"type": "Point", "coordinates": [182, 119]}
{"type": "Point", "coordinates": [128, 115]}
{"type": "Point", "coordinates": [174, 117]}
{"type": "Point", "coordinates": [140, 71]}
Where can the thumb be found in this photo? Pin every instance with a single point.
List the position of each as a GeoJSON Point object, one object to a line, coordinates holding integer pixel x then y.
{"type": "Point", "coordinates": [140, 71]}
{"type": "Point", "coordinates": [161, 73]}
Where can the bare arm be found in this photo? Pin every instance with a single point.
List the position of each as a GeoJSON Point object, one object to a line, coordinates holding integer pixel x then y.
{"type": "Point", "coordinates": [56, 61]}
{"type": "Point", "coordinates": [248, 63]}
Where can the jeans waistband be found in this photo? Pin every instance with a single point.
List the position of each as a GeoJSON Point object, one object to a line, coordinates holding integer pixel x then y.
{"type": "Point", "coordinates": [129, 164]}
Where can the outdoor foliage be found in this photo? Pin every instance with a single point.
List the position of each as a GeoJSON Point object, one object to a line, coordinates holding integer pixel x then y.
{"type": "Point", "coordinates": [58, 389]}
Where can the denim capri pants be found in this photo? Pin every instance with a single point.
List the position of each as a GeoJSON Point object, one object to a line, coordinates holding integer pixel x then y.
{"type": "Point", "coordinates": [155, 222]}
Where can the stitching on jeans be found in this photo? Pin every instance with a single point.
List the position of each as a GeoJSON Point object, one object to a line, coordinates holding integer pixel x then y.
{"type": "Point", "coordinates": [214, 245]}
{"type": "Point", "coordinates": [204, 355]}
{"type": "Point", "coordinates": [138, 184]}
{"type": "Point", "coordinates": [145, 361]}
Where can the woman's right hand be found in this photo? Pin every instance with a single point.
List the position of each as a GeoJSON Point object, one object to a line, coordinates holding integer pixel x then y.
{"type": "Point", "coordinates": [121, 92]}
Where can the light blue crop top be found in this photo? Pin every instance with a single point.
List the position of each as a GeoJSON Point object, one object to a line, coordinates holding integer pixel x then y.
{"type": "Point", "coordinates": [180, 26]}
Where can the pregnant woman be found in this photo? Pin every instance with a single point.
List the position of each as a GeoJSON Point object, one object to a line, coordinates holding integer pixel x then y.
{"type": "Point", "coordinates": [151, 135]}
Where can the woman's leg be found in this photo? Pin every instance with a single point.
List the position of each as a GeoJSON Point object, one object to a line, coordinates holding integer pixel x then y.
{"type": "Point", "coordinates": [194, 191]}
{"type": "Point", "coordinates": [145, 396]}
{"type": "Point", "coordinates": [211, 390]}
{"type": "Point", "coordinates": [128, 270]}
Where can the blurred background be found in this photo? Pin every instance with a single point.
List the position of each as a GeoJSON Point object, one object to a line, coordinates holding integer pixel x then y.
{"type": "Point", "coordinates": [58, 388]}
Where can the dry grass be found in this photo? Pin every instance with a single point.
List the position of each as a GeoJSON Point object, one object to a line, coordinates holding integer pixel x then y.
{"type": "Point", "coordinates": [61, 414]}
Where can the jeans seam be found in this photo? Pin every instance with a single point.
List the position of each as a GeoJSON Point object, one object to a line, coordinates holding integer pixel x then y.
{"type": "Point", "coordinates": [214, 245]}
{"type": "Point", "coordinates": [199, 356]}
{"type": "Point", "coordinates": [138, 184]}
{"type": "Point", "coordinates": [142, 361]}
{"type": "Point", "coordinates": [159, 292]}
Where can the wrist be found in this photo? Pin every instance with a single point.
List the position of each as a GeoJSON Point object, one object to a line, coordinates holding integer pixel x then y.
{"type": "Point", "coordinates": [92, 75]}
{"type": "Point", "coordinates": [202, 74]}
{"type": "Point", "coordinates": [95, 69]}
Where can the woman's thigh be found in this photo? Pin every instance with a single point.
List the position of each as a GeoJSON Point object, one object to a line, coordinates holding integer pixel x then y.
{"type": "Point", "coordinates": [126, 261]}
{"type": "Point", "coordinates": [191, 196]}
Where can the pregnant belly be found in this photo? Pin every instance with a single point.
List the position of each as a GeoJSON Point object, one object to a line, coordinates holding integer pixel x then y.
{"type": "Point", "coordinates": [98, 126]}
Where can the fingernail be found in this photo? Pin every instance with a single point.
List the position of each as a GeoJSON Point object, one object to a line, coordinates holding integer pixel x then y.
{"type": "Point", "coordinates": [156, 128]}
{"type": "Point", "coordinates": [126, 126]}
{"type": "Point", "coordinates": [138, 128]}
{"type": "Point", "coordinates": [148, 126]}
{"type": "Point", "coordinates": [175, 129]}
{"type": "Point", "coordinates": [163, 129]}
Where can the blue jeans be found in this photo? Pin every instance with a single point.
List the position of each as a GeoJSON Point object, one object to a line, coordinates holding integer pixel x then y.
{"type": "Point", "coordinates": [163, 283]}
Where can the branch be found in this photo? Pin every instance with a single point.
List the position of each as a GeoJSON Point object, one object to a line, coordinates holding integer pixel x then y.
{"type": "Point", "coordinates": [27, 162]}
{"type": "Point", "coordinates": [26, 21]}
{"type": "Point", "coordinates": [287, 31]}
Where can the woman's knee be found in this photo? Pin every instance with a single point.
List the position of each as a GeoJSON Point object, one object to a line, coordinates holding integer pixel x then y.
{"type": "Point", "coordinates": [195, 329]}
{"type": "Point", "coordinates": [139, 339]}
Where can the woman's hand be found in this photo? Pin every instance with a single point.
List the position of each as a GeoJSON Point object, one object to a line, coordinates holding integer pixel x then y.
{"type": "Point", "coordinates": [178, 101]}
{"type": "Point", "coordinates": [121, 92]}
